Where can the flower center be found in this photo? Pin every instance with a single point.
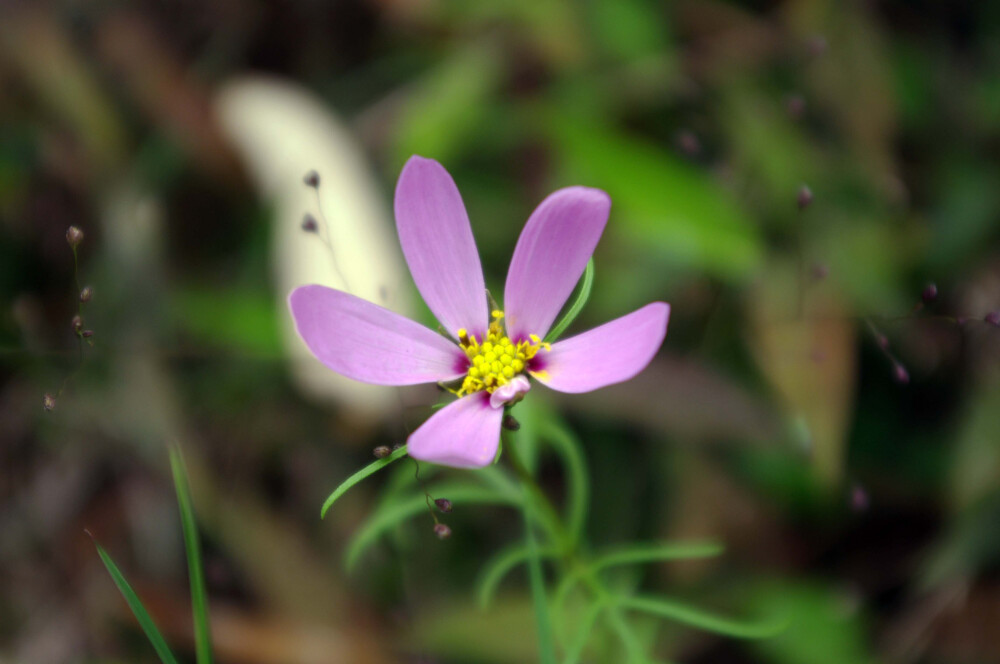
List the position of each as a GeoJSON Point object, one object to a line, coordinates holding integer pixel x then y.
{"type": "Point", "coordinates": [495, 361]}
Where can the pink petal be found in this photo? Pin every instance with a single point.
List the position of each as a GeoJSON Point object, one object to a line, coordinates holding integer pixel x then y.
{"type": "Point", "coordinates": [365, 342]}
{"type": "Point", "coordinates": [438, 245]}
{"type": "Point", "coordinates": [551, 254]}
{"type": "Point", "coordinates": [609, 354]}
{"type": "Point", "coordinates": [463, 434]}
{"type": "Point", "coordinates": [512, 391]}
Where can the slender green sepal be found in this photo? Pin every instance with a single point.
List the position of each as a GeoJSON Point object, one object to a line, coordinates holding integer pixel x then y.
{"type": "Point", "coordinates": [371, 468]}
{"type": "Point", "coordinates": [578, 304]}
{"type": "Point", "coordinates": [689, 615]}
{"type": "Point", "coordinates": [196, 573]}
{"type": "Point", "coordinates": [138, 610]}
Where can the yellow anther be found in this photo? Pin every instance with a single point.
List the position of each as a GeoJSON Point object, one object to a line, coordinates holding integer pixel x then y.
{"type": "Point", "coordinates": [497, 360]}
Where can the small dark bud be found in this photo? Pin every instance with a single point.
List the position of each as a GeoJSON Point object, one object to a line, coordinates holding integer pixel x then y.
{"type": "Point", "coordinates": [804, 198]}
{"type": "Point", "coordinates": [86, 294]}
{"type": "Point", "coordinates": [442, 531]}
{"type": "Point", "coordinates": [929, 294]}
{"type": "Point", "coordinates": [382, 451]}
{"type": "Point", "coordinates": [993, 318]}
{"type": "Point", "coordinates": [396, 446]}
{"type": "Point", "coordinates": [510, 423]}
{"type": "Point", "coordinates": [859, 498]}
{"type": "Point", "coordinates": [443, 504]}
{"type": "Point", "coordinates": [48, 401]}
{"type": "Point", "coordinates": [796, 106]}
{"type": "Point", "coordinates": [817, 46]}
{"type": "Point", "coordinates": [76, 324]}
{"type": "Point", "coordinates": [86, 334]}
{"type": "Point", "coordinates": [74, 236]}
{"type": "Point", "coordinates": [882, 341]}
{"type": "Point", "coordinates": [311, 179]}
{"type": "Point", "coordinates": [820, 271]}
{"type": "Point", "coordinates": [901, 374]}
{"type": "Point", "coordinates": [688, 143]}
{"type": "Point", "coordinates": [309, 224]}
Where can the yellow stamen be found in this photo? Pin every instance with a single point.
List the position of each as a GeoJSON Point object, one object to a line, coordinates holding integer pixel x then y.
{"type": "Point", "coordinates": [497, 360]}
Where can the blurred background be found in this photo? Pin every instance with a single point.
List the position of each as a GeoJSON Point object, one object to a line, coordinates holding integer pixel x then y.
{"type": "Point", "coordinates": [815, 408]}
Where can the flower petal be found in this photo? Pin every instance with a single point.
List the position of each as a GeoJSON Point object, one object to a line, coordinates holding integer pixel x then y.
{"type": "Point", "coordinates": [463, 434]}
{"type": "Point", "coordinates": [609, 354]}
{"type": "Point", "coordinates": [512, 391]}
{"type": "Point", "coordinates": [551, 254]}
{"type": "Point", "coordinates": [437, 242]}
{"type": "Point", "coordinates": [365, 342]}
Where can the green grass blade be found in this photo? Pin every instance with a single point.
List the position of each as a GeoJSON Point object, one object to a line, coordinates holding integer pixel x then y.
{"type": "Point", "coordinates": [390, 515]}
{"type": "Point", "coordinates": [499, 566]}
{"type": "Point", "coordinates": [371, 468]}
{"type": "Point", "coordinates": [689, 615]}
{"type": "Point", "coordinates": [138, 610]}
{"type": "Point", "coordinates": [196, 573]}
{"type": "Point", "coordinates": [586, 282]}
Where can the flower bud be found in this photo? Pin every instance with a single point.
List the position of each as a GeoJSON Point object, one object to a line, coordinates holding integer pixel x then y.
{"type": "Point", "coordinates": [510, 423]}
{"type": "Point", "coordinates": [74, 236]}
{"type": "Point", "coordinates": [929, 294]}
{"type": "Point", "coordinates": [309, 224]}
{"type": "Point", "coordinates": [48, 401]}
{"type": "Point", "coordinates": [86, 334]}
{"type": "Point", "coordinates": [443, 504]}
{"type": "Point", "coordinates": [442, 531]}
{"type": "Point", "coordinates": [796, 106]}
{"type": "Point", "coordinates": [805, 197]}
{"type": "Point", "coordinates": [901, 374]}
{"type": "Point", "coordinates": [86, 294]}
{"type": "Point", "coordinates": [859, 498]}
{"type": "Point", "coordinates": [688, 143]}
{"type": "Point", "coordinates": [311, 179]}
{"type": "Point", "coordinates": [882, 341]}
{"type": "Point", "coordinates": [382, 451]}
{"type": "Point", "coordinates": [993, 318]}
{"type": "Point", "coordinates": [76, 324]}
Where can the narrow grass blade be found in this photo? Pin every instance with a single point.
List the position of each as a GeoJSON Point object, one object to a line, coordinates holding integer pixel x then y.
{"type": "Point", "coordinates": [583, 634]}
{"type": "Point", "coordinates": [145, 621]}
{"type": "Point", "coordinates": [199, 594]}
{"type": "Point", "coordinates": [371, 468]}
{"type": "Point", "coordinates": [672, 610]}
{"type": "Point", "coordinates": [578, 304]}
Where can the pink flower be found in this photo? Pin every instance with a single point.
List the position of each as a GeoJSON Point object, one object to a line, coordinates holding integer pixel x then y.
{"type": "Point", "coordinates": [491, 355]}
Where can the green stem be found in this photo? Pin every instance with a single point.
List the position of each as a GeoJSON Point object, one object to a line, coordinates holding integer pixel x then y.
{"type": "Point", "coordinates": [534, 498]}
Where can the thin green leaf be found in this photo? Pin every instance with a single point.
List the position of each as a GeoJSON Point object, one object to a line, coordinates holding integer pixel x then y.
{"type": "Point", "coordinates": [578, 494]}
{"type": "Point", "coordinates": [145, 621]}
{"type": "Point", "coordinates": [499, 566]}
{"type": "Point", "coordinates": [392, 514]}
{"type": "Point", "coordinates": [630, 556]}
{"type": "Point", "coordinates": [656, 553]}
{"type": "Point", "coordinates": [670, 609]}
{"type": "Point", "coordinates": [578, 304]}
{"type": "Point", "coordinates": [373, 467]}
{"type": "Point", "coordinates": [199, 594]}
